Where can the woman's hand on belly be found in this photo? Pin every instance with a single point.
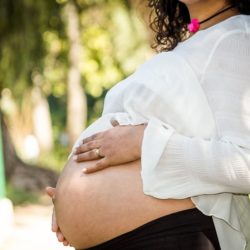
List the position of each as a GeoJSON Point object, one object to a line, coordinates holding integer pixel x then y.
{"type": "Point", "coordinates": [118, 145]}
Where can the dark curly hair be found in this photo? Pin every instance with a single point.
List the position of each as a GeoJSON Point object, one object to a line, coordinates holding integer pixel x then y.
{"type": "Point", "coordinates": [169, 19]}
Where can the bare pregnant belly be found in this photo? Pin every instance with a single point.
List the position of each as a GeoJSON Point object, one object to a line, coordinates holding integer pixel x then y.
{"type": "Point", "coordinates": [95, 208]}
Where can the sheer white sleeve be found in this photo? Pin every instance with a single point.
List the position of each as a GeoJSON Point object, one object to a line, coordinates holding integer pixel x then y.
{"type": "Point", "coordinates": [198, 140]}
{"type": "Point", "coordinates": [185, 167]}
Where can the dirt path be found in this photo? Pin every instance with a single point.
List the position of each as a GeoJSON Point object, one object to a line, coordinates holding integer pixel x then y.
{"type": "Point", "coordinates": [32, 230]}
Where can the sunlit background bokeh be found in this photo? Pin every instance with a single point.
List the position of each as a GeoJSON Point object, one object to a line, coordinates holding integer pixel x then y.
{"type": "Point", "coordinates": [58, 59]}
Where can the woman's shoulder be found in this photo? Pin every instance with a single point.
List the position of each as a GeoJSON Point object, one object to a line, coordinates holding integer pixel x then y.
{"type": "Point", "coordinates": [197, 48]}
{"type": "Point", "coordinates": [162, 62]}
{"type": "Point", "coordinates": [204, 40]}
{"type": "Point", "coordinates": [159, 64]}
{"type": "Point", "coordinates": [207, 38]}
{"type": "Point", "coordinates": [200, 48]}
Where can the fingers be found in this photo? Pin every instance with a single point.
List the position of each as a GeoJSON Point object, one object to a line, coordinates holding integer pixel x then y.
{"type": "Point", "coordinates": [50, 191]}
{"type": "Point", "coordinates": [114, 122]}
{"type": "Point", "coordinates": [54, 225]}
{"type": "Point", "coordinates": [92, 137]}
{"type": "Point", "coordinates": [65, 243]}
{"type": "Point", "coordinates": [101, 164]}
{"type": "Point", "coordinates": [61, 238]}
{"type": "Point", "coordinates": [85, 147]}
{"type": "Point", "coordinates": [93, 154]}
{"type": "Point", "coordinates": [56, 229]}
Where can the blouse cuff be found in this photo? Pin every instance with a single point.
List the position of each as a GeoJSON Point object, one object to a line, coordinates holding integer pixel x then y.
{"type": "Point", "coordinates": [156, 136]}
{"type": "Point", "coordinates": [164, 172]}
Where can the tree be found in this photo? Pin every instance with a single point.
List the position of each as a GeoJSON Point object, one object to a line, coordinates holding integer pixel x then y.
{"type": "Point", "coordinates": [72, 48]}
{"type": "Point", "coordinates": [22, 52]}
{"type": "Point", "coordinates": [42, 124]}
{"type": "Point", "coordinates": [22, 175]}
{"type": "Point", "coordinates": [76, 99]}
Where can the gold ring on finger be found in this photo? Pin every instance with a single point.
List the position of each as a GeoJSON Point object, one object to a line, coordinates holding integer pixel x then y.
{"type": "Point", "coordinates": [97, 152]}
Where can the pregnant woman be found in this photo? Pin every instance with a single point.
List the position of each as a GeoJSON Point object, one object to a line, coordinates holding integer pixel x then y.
{"type": "Point", "coordinates": [173, 143]}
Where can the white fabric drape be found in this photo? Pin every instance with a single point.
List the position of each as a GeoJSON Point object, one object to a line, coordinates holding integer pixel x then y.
{"type": "Point", "coordinates": [196, 101]}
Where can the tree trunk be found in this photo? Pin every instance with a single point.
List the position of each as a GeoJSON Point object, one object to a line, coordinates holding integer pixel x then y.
{"type": "Point", "coordinates": [22, 175]}
{"type": "Point", "coordinates": [41, 118]}
{"type": "Point", "coordinates": [76, 99]}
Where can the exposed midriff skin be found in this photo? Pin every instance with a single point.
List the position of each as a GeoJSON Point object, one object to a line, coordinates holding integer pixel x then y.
{"type": "Point", "coordinates": [94, 208]}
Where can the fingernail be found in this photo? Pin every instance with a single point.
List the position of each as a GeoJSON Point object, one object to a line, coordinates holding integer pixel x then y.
{"type": "Point", "coordinates": [75, 150]}
{"type": "Point", "coordinates": [75, 157]}
{"type": "Point", "coordinates": [84, 170]}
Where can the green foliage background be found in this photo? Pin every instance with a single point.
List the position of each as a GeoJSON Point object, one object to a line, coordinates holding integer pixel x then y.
{"type": "Point", "coordinates": [34, 50]}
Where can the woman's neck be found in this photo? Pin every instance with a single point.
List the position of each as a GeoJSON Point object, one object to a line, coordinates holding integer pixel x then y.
{"type": "Point", "coordinates": [204, 9]}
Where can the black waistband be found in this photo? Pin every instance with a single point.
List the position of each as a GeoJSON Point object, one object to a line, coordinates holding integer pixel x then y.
{"type": "Point", "coordinates": [188, 229]}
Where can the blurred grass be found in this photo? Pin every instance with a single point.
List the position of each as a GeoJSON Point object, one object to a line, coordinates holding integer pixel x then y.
{"type": "Point", "coordinates": [20, 197]}
{"type": "Point", "coordinates": [54, 160]}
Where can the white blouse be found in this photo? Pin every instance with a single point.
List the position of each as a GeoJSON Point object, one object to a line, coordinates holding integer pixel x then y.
{"type": "Point", "coordinates": [196, 101]}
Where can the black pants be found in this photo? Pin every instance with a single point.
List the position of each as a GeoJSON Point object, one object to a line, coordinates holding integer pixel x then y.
{"type": "Point", "coordinates": [185, 230]}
